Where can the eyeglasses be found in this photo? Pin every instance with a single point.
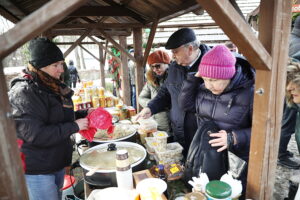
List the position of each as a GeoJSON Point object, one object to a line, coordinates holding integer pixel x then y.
{"type": "Point", "coordinates": [156, 66]}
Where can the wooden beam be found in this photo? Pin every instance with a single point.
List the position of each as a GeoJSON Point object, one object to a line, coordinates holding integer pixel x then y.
{"type": "Point", "coordinates": [122, 49]}
{"type": "Point", "coordinates": [139, 69]}
{"type": "Point", "coordinates": [7, 15]}
{"type": "Point", "coordinates": [12, 176]}
{"type": "Point", "coordinates": [134, 15]}
{"type": "Point", "coordinates": [150, 41]}
{"type": "Point", "coordinates": [105, 52]}
{"type": "Point", "coordinates": [105, 48]}
{"type": "Point", "coordinates": [125, 83]}
{"type": "Point", "coordinates": [72, 47]}
{"type": "Point", "coordinates": [185, 7]}
{"type": "Point", "coordinates": [275, 16]}
{"type": "Point", "coordinates": [98, 25]}
{"type": "Point", "coordinates": [127, 25]}
{"type": "Point", "coordinates": [93, 32]}
{"type": "Point", "coordinates": [238, 31]}
{"type": "Point", "coordinates": [70, 43]}
{"type": "Point", "coordinates": [12, 8]}
{"type": "Point", "coordinates": [102, 65]}
{"type": "Point", "coordinates": [90, 53]}
{"type": "Point", "coordinates": [34, 24]}
{"type": "Point", "coordinates": [101, 11]}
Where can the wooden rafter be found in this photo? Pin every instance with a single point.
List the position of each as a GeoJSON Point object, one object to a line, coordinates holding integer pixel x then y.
{"type": "Point", "coordinates": [185, 7]}
{"type": "Point", "coordinates": [101, 11]}
{"type": "Point", "coordinates": [72, 47]}
{"type": "Point", "coordinates": [118, 46]}
{"type": "Point", "coordinates": [240, 33]}
{"type": "Point", "coordinates": [134, 15]}
{"type": "Point", "coordinates": [128, 25]}
{"type": "Point", "coordinates": [105, 48]}
{"type": "Point", "coordinates": [13, 9]}
{"type": "Point", "coordinates": [95, 32]}
{"type": "Point", "coordinates": [150, 41]}
{"type": "Point", "coordinates": [9, 16]}
{"type": "Point", "coordinates": [90, 53]}
{"type": "Point", "coordinates": [36, 23]}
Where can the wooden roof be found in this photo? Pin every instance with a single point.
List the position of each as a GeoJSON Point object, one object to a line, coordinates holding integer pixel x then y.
{"type": "Point", "coordinates": [115, 17]}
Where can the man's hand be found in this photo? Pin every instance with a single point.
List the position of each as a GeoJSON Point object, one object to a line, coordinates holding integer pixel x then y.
{"type": "Point", "coordinates": [144, 114]}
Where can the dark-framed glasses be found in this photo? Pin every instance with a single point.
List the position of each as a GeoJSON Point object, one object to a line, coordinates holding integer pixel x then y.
{"type": "Point", "coordinates": [156, 66]}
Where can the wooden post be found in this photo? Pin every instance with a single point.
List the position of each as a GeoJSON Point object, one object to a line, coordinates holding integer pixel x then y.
{"type": "Point", "coordinates": [125, 83]}
{"type": "Point", "coordinates": [138, 55]}
{"type": "Point", "coordinates": [37, 22]}
{"type": "Point", "coordinates": [12, 175]}
{"type": "Point", "coordinates": [102, 65]}
{"type": "Point", "coordinates": [275, 16]}
{"type": "Point", "coordinates": [150, 41]}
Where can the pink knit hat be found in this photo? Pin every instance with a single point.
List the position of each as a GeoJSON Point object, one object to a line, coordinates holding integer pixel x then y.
{"type": "Point", "coordinates": [218, 63]}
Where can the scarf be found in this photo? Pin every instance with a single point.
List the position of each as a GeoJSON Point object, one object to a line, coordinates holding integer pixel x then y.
{"type": "Point", "coordinates": [53, 84]}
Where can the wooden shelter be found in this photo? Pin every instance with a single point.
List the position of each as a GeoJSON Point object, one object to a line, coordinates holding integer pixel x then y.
{"type": "Point", "coordinates": [110, 18]}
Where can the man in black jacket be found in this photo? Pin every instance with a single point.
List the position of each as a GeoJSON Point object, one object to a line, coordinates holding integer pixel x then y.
{"type": "Point", "coordinates": [187, 52]}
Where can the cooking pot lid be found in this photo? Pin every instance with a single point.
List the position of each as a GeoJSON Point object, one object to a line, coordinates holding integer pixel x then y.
{"type": "Point", "coordinates": [100, 158]}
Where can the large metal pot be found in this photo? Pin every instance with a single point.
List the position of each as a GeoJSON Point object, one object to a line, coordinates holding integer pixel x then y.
{"type": "Point", "coordinates": [104, 160]}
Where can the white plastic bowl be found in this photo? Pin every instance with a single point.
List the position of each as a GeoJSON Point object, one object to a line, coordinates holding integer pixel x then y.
{"type": "Point", "coordinates": [147, 183]}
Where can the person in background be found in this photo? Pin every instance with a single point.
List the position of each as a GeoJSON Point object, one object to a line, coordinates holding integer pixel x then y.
{"type": "Point", "coordinates": [159, 62]}
{"type": "Point", "coordinates": [293, 95]}
{"type": "Point", "coordinates": [65, 76]}
{"type": "Point", "coordinates": [44, 116]}
{"type": "Point", "coordinates": [226, 98]}
{"type": "Point", "coordinates": [231, 46]}
{"type": "Point", "coordinates": [285, 157]}
{"type": "Point", "coordinates": [187, 52]}
{"type": "Point", "coordinates": [73, 74]}
{"type": "Point", "coordinates": [131, 67]}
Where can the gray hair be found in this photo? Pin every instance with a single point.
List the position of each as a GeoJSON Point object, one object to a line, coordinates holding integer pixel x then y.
{"type": "Point", "coordinates": [195, 44]}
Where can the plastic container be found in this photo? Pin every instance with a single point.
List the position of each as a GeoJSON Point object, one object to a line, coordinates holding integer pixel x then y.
{"type": "Point", "coordinates": [161, 139]}
{"type": "Point", "coordinates": [173, 154]}
{"type": "Point", "coordinates": [150, 144]}
{"type": "Point", "coordinates": [218, 190]}
{"type": "Point", "coordinates": [67, 188]}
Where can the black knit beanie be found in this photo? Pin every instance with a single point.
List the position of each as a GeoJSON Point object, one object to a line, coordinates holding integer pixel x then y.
{"type": "Point", "coordinates": [43, 52]}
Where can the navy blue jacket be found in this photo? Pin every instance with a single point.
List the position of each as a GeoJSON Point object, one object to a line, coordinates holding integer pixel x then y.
{"type": "Point", "coordinates": [231, 110]}
{"type": "Point", "coordinates": [167, 97]}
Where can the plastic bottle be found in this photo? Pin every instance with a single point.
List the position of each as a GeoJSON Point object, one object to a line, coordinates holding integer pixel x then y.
{"type": "Point", "coordinates": [124, 171]}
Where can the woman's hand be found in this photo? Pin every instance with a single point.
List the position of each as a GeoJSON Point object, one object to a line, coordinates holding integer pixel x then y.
{"type": "Point", "coordinates": [91, 110]}
{"type": "Point", "coordinates": [220, 140]}
{"type": "Point", "coordinates": [197, 75]}
{"type": "Point", "coordinates": [83, 123]}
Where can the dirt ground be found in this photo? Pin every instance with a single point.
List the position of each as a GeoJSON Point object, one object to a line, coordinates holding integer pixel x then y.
{"type": "Point", "coordinates": [283, 174]}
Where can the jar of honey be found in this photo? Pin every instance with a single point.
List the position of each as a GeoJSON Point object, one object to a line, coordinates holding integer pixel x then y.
{"type": "Point", "coordinates": [95, 102]}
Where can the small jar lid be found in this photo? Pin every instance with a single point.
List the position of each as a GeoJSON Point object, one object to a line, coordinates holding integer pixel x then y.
{"type": "Point", "coordinates": [218, 189]}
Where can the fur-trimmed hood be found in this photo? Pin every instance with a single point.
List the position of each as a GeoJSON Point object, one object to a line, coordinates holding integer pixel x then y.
{"type": "Point", "coordinates": [153, 80]}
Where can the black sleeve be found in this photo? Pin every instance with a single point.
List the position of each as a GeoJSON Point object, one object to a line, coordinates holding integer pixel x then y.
{"type": "Point", "coordinates": [187, 96]}
{"type": "Point", "coordinates": [162, 100]}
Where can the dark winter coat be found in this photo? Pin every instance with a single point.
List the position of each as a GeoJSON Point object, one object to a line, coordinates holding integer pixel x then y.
{"type": "Point", "coordinates": [294, 45]}
{"type": "Point", "coordinates": [231, 110]}
{"type": "Point", "coordinates": [183, 124]}
{"type": "Point", "coordinates": [73, 73]}
{"type": "Point", "coordinates": [43, 124]}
